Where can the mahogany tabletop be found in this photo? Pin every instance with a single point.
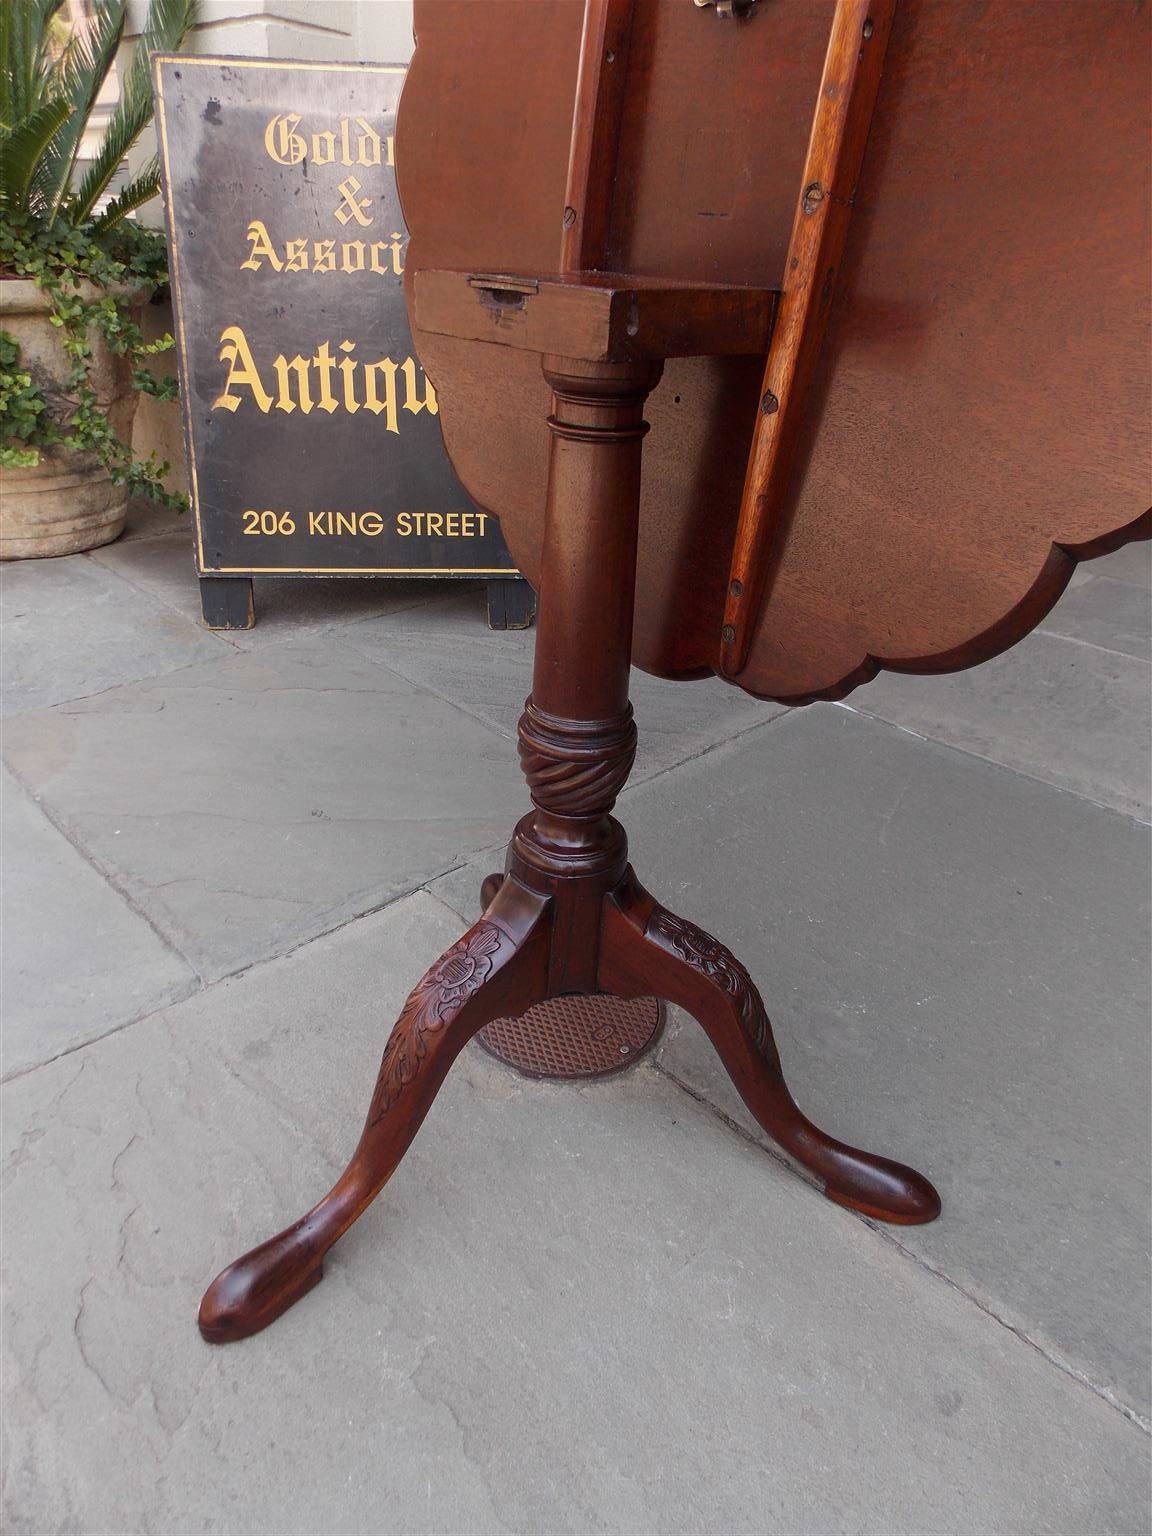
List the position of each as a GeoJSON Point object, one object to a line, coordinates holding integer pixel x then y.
{"type": "Point", "coordinates": [978, 420]}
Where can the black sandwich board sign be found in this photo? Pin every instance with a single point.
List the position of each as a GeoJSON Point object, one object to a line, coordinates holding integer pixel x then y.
{"type": "Point", "coordinates": [311, 429]}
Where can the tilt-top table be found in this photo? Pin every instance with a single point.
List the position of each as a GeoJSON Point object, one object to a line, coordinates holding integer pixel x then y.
{"type": "Point", "coordinates": [871, 277]}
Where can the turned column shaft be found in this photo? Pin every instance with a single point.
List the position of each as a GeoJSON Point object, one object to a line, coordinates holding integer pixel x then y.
{"type": "Point", "coordinates": [588, 580]}
{"type": "Point", "coordinates": [577, 737]}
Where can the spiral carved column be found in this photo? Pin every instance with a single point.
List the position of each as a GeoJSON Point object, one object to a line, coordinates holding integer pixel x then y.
{"type": "Point", "coordinates": [576, 767]}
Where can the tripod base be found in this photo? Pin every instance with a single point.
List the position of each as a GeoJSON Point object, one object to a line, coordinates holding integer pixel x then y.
{"type": "Point", "coordinates": [576, 1036]}
{"type": "Point", "coordinates": [568, 918]}
{"type": "Point", "coordinates": [503, 968]}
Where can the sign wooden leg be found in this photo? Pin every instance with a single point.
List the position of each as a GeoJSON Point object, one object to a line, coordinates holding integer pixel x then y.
{"type": "Point", "coordinates": [511, 603]}
{"type": "Point", "coordinates": [226, 602]}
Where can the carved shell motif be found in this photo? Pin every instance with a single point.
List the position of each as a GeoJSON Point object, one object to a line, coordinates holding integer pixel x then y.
{"type": "Point", "coordinates": [432, 1005]}
{"type": "Point", "coordinates": [704, 953]}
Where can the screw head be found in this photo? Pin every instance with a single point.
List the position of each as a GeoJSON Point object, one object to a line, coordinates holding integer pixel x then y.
{"type": "Point", "coordinates": [813, 196]}
{"type": "Point", "coordinates": [727, 634]}
{"type": "Point", "coordinates": [769, 405]}
{"type": "Point", "coordinates": [569, 217]}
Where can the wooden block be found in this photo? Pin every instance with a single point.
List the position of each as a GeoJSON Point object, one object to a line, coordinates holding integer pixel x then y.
{"type": "Point", "coordinates": [600, 317]}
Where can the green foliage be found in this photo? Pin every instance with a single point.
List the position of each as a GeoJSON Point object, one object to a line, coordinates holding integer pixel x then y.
{"type": "Point", "coordinates": [48, 89]}
{"type": "Point", "coordinates": [50, 77]}
{"type": "Point", "coordinates": [60, 262]}
{"type": "Point", "coordinates": [168, 21]}
{"type": "Point", "coordinates": [21, 407]}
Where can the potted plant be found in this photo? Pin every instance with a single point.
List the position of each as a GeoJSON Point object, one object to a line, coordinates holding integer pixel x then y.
{"type": "Point", "coordinates": [74, 271]}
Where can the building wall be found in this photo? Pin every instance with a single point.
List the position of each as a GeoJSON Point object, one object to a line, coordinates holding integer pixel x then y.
{"type": "Point", "coordinates": [375, 31]}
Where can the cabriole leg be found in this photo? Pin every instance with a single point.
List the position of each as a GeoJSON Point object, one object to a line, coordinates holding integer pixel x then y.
{"type": "Point", "coordinates": [497, 969]}
{"type": "Point", "coordinates": [646, 949]}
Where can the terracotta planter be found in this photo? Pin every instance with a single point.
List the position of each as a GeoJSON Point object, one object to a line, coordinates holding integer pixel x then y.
{"type": "Point", "coordinates": [66, 503]}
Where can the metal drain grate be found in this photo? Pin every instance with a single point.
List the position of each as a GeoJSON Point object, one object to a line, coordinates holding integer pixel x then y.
{"type": "Point", "coordinates": [576, 1036]}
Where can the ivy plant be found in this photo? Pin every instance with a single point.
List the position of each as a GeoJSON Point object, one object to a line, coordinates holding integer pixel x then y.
{"type": "Point", "coordinates": [60, 227]}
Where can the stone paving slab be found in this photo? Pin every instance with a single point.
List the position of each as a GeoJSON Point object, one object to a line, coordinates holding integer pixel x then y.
{"type": "Point", "coordinates": [253, 803]}
{"type": "Point", "coordinates": [1133, 563]}
{"type": "Point", "coordinates": [146, 520]}
{"type": "Point", "coordinates": [955, 959]}
{"type": "Point", "coordinates": [1067, 713]}
{"type": "Point", "coordinates": [572, 1310]}
{"type": "Point", "coordinates": [447, 648]}
{"type": "Point", "coordinates": [286, 607]}
{"type": "Point", "coordinates": [72, 628]}
{"type": "Point", "coordinates": [1115, 615]}
{"type": "Point", "coordinates": [78, 961]}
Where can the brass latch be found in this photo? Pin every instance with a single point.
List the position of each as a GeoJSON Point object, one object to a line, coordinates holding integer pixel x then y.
{"type": "Point", "coordinates": [738, 8]}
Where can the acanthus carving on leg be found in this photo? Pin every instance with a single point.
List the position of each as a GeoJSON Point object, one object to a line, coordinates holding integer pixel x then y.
{"type": "Point", "coordinates": [719, 964]}
{"type": "Point", "coordinates": [648, 950]}
{"type": "Point", "coordinates": [498, 968]}
{"type": "Point", "coordinates": [432, 1005]}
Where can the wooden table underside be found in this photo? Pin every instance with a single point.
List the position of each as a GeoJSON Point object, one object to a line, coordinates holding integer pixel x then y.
{"type": "Point", "coordinates": [977, 421]}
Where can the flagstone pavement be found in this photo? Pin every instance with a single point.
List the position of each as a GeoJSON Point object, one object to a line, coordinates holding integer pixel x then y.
{"type": "Point", "coordinates": [609, 1308]}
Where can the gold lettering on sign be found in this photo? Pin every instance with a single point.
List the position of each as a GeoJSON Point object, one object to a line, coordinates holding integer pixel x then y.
{"type": "Point", "coordinates": [383, 257]}
{"type": "Point", "coordinates": [242, 370]}
{"type": "Point", "coordinates": [353, 142]}
{"type": "Point", "coordinates": [281, 140]}
{"type": "Point", "coordinates": [284, 400]}
{"type": "Point", "coordinates": [450, 525]}
{"type": "Point", "coordinates": [324, 147]}
{"type": "Point", "coordinates": [351, 206]}
{"type": "Point", "coordinates": [386, 370]}
{"type": "Point", "coordinates": [262, 249]}
{"type": "Point", "coordinates": [412, 400]}
{"type": "Point", "coordinates": [348, 373]}
{"type": "Point", "coordinates": [397, 251]}
{"type": "Point", "coordinates": [331, 525]}
{"type": "Point", "coordinates": [306, 384]}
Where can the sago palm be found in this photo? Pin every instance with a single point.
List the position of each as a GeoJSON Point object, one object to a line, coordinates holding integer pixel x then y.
{"type": "Point", "coordinates": [50, 77]}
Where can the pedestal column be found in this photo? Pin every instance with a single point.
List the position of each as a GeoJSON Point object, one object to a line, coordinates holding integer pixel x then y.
{"type": "Point", "coordinates": [577, 735]}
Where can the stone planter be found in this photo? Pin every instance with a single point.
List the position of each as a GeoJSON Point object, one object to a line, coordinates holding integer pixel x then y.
{"type": "Point", "coordinates": [66, 503]}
